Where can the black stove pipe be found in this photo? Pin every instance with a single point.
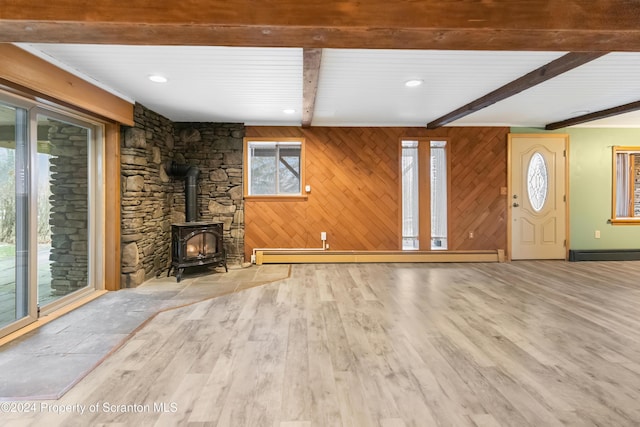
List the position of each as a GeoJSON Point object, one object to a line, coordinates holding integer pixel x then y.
{"type": "Point", "coordinates": [190, 174]}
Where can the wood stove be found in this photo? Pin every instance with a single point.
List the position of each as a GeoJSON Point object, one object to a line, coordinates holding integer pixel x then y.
{"type": "Point", "coordinates": [196, 243]}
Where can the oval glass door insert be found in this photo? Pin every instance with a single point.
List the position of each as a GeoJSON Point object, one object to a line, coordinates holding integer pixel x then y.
{"type": "Point", "coordinates": [537, 181]}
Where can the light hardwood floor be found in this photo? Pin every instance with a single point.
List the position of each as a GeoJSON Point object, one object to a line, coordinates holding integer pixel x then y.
{"type": "Point", "coordinates": [515, 344]}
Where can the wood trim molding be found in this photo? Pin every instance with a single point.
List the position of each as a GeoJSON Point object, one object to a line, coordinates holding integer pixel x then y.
{"type": "Point", "coordinates": [112, 224]}
{"type": "Point", "coordinates": [26, 72]}
{"type": "Point", "coordinates": [428, 24]}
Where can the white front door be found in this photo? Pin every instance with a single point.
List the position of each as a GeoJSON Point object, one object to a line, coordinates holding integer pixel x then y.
{"type": "Point", "coordinates": [538, 199]}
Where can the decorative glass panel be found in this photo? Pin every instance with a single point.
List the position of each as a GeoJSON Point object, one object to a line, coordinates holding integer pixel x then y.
{"type": "Point", "coordinates": [537, 181]}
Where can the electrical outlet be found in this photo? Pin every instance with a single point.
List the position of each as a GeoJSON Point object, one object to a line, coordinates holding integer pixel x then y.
{"type": "Point", "coordinates": [597, 234]}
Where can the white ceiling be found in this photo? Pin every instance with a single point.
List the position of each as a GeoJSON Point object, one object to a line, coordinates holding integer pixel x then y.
{"type": "Point", "coordinates": [356, 87]}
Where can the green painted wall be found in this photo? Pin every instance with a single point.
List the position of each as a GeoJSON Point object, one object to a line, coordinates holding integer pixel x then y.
{"type": "Point", "coordinates": [590, 176]}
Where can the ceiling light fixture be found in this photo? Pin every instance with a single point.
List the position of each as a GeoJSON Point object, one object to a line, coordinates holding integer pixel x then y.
{"type": "Point", "coordinates": [413, 83]}
{"type": "Point", "coordinates": [157, 78]}
{"type": "Point", "coordinates": [289, 111]}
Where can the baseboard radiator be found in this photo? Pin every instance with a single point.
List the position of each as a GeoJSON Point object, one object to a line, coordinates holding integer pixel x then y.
{"type": "Point", "coordinates": [265, 256]}
{"type": "Point", "coordinates": [604, 255]}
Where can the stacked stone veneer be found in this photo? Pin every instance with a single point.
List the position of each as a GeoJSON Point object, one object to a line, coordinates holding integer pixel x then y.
{"type": "Point", "coordinates": [216, 149]}
{"type": "Point", "coordinates": [69, 207]}
{"type": "Point", "coordinates": [151, 200]}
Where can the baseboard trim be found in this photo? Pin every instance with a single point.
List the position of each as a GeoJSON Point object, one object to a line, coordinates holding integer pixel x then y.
{"type": "Point", "coordinates": [604, 255]}
{"type": "Point", "coordinates": [330, 257]}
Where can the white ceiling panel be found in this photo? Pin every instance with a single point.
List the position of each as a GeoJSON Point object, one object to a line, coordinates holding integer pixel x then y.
{"type": "Point", "coordinates": [357, 87]}
{"type": "Point", "coordinates": [241, 84]}
{"type": "Point", "coordinates": [606, 82]}
{"type": "Point", "coordinates": [366, 87]}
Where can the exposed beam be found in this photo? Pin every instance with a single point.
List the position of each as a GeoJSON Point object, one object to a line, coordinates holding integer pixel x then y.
{"type": "Point", "coordinates": [567, 25]}
{"type": "Point", "coordinates": [311, 74]}
{"type": "Point", "coordinates": [602, 114]}
{"type": "Point", "coordinates": [554, 68]}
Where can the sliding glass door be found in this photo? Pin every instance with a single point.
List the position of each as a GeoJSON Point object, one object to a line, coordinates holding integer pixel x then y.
{"type": "Point", "coordinates": [50, 210]}
{"type": "Point", "coordinates": [14, 216]}
{"type": "Point", "coordinates": [63, 207]}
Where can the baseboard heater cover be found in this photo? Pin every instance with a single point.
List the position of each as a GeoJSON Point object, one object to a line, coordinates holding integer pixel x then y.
{"type": "Point", "coordinates": [604, 255]}
{"type": "Point", "coordinates": [312, 257]}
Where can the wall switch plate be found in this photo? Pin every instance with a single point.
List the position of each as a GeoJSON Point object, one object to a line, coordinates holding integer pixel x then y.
{"type": "Point", "coordinates": [307, 188]}
{"type": "Point", "coordinates": [597, 234]}
{"type": "Point", "coordinates": [323, 235]}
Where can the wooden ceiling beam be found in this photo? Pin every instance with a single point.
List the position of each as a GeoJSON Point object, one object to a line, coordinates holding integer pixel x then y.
{"type": "Point", "coordinates": [568, 25]}
{"type": "Point", "coordinates": [602, 114]}
{"type": "Point", "coordinates": [311, 74]}
{"type": "Point", "coordinates": [554, 68]}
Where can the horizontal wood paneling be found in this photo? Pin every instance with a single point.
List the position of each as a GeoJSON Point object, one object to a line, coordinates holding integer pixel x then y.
{"type": "Point", "coordinates": [354, 173]}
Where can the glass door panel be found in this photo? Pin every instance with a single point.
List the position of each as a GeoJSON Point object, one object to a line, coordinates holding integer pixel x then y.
{"type": "Point", "coordinates": [14, 219]}
{"type": "Point", "coordinates": [62, 180]}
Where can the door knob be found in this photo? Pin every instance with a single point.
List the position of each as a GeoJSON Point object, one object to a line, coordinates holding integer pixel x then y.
{"type": "Point", "coordinates": [515, 204]}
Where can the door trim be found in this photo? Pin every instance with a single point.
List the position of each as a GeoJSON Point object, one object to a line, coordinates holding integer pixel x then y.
{"type": "Point", "coordinates": [510, 137]}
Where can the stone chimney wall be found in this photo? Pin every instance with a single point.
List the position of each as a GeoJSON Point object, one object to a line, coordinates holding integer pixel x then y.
{"type": "Point", "coordinates": [151, 200]}
{"type": "Point", "coordinates": [146, 197]}
{"type": "Point", "coordinates": [216, 149]}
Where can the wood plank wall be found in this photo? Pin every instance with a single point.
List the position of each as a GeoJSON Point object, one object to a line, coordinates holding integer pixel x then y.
{"type": "Point", "coordinates": [354, 178]}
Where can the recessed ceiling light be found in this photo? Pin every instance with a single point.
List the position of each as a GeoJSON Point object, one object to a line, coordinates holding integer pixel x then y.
{"type": "Point", "coordinates": [157, 78]}
{"type": "Point", "coordinates": [413, 83]}
{"type": "Point", "coordinates": [288, 111]}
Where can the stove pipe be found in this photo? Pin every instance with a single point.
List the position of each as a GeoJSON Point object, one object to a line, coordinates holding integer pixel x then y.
{"type": "Point", "coordinates": [190, 174]}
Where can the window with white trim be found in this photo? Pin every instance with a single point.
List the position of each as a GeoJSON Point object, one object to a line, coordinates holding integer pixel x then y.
{"type": "Point", "coordinates": [274, 168]}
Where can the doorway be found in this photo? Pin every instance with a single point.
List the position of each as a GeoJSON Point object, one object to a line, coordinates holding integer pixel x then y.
{"type": "Point", "coordinates": [538, 210]}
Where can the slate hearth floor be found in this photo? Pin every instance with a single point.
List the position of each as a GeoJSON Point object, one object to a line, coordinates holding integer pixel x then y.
{"type": "Point", "coordinates": [45, 363]}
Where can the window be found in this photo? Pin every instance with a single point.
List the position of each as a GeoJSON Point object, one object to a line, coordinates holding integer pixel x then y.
{"type": "Point", "coordinates": [438, 195]}
{"type": "Point", "coordinates": [274, 168]}
{"type": "Point", "coordinates": [410, 219]}
{"type": "Point", "coordinates": [428, 159]}
{"type": "Point", "coordinates": [626, 181]}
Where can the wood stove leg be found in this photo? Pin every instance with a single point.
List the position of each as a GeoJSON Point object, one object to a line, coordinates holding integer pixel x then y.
{"type": "Point", "coordinates": [179, 274]}
{"type": "Point", "coordinates": [169, 272]}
